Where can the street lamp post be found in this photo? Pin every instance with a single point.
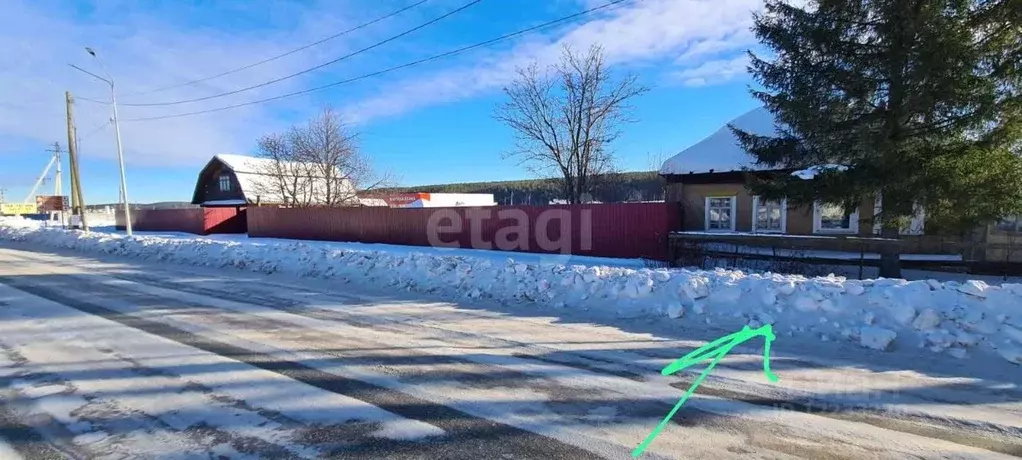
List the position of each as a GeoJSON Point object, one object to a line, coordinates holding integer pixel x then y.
{"type": "Point", "coordinates": [117, 129]}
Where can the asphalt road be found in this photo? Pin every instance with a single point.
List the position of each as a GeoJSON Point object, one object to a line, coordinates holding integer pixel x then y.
{"type": "Point", "coordinates": [124, 359]}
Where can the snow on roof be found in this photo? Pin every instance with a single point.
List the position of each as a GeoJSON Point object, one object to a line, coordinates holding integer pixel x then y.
{"type": "Point", "coordinates": [811, 172]}
{"type": "Point", "coordinates": [256, 177]}
{"type": "Point", "coordinates": [720, 152]}
{"type": "Point", "coordinates": [244, 164]}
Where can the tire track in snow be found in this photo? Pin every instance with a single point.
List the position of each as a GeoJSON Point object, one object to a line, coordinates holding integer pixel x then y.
{"type": "Point", "coordinates": [637, 409]}
{"type": "Point", "coordinates": [826, 449]}
{"type": "Point", "coordinates": [637, 412]}
{"type": "Point", "coordinates": [21, 434]}
{"type": "Point", "coordinates": [98, 416]}
{"type": "Point", "coordinates": [483, 437]}
{"type": "Point", "coordinates": [993, 437]}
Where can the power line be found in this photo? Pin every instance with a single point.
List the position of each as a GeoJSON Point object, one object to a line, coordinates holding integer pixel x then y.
{"type": "Point", "coordinates": [274, 58]}
{"type": "Point", "coordinates": [96, 101]}
{"type": "Point", "coordinates": [349, 55]}
{"type": "Point", "coordinates": [94, 130]}
{"type": "Point", "coordinates": [391, 69]}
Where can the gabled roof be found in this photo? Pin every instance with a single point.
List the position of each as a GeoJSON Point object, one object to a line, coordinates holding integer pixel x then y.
{"type": "Point", "coordinates": [255, 176]}
{"type": "Point", "coordinates": [720, 152]}
{"type": "Point", "coordinates": [258, 182]}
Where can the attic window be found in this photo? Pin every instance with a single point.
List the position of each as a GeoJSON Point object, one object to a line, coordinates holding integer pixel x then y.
{"type": "Point", "coordinates": [225, 183]}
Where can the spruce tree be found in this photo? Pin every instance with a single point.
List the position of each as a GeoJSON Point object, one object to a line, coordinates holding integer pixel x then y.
{"type": "Point", "coordinates": [920, 100]}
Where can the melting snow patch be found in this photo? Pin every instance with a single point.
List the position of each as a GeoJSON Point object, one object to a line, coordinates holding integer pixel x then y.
{"type": "Point", "coordinates": [407, 430]}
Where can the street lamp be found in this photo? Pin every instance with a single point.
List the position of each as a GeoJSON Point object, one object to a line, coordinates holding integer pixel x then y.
{"type": "Point", "coordinates": [117, 129]}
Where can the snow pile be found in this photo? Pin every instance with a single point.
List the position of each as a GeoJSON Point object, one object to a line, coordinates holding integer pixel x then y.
{"type": "Point", "coordinates": [885, 314]}
{"type": "Point", "coordinates": [811, 172]}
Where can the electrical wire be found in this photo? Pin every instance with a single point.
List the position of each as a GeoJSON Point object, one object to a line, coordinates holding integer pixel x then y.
{"type": "Point", "coordinates": [274, 58]}
{"type": "Point", "coordinates": [320, 66]}
{"type": "Point", "coordinates": [96, 101]}
{"type": "Point", "coordinates": [391, 69]}
{"type": "Point", "coordinates": [91, 131]}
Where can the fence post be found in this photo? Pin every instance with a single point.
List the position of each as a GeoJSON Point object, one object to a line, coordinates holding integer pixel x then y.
{"type": "Point", "coordinates": [862, 257]}
{"type": "Point", "coordinates": [888, 265]}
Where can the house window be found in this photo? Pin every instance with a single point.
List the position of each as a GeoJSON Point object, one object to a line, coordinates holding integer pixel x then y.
{"type": "Point", "coordinates": [833, 218]}
{"type": "Point", "coordinates": [769, 216]}
{"type": "Point", "coordinates": [225, 183]}
{"type": "Point", "coordinates": [720, 214]}
{"type": "Point", "coordinates": [1010, 224]}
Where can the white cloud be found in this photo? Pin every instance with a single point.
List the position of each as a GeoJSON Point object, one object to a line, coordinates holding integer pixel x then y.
{"type": "Point", "coordinates": [146, 48]}
{"type": "Point", "coordinates": [143, 49]}
{"type": "Point", "coordinates": [728, 42]}
{"type": "Point", "coordinates": [638, 33]}
{"type": "Point", "coordinates": [713, 72]}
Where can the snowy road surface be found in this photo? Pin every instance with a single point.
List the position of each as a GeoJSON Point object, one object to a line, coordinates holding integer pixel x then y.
{"type": "Point", "coordinates": [115, 358]}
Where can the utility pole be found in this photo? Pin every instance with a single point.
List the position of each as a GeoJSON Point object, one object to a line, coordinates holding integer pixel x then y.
{"type": "Point", "coordinates": [78, 201]}
{"type": "Point", "coordinates": [117, 129]}
{"type": "Point", "coordinates": [58, 186]}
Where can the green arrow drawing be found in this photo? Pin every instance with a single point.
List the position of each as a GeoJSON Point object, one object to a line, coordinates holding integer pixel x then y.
{"type": "Point", "coordinates": [716, 350]}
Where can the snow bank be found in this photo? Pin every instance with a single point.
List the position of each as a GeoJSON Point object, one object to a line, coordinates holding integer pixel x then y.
{"type": "Point", "coordinates": [886, 314]}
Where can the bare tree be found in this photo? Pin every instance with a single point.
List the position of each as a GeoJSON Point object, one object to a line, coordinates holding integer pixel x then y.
{"type": "Point", "coordinates": [331, 148]}
{"type": "Point", "coordinates": [287, 177]}
{"type": "Point", "coordinates": [655, 161]}
{"type": "Point", "coordinates": [319, 163]}
{"type": "Point", "coordinates": [566, 116]}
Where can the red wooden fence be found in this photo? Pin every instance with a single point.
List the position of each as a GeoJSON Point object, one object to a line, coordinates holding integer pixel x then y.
{"type": "Point", "coordinates": [200, 221]}
{"type": "Point", "coordinates": [630, 230]}
{"type": "Point", "coordinates": [224, 220]}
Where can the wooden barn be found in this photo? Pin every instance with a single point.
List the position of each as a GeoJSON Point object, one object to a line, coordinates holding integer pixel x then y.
{"type": "Point", "coordinates": [238, 181]}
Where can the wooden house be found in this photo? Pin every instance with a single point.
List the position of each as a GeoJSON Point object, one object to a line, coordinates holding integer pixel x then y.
{"type": "Point", "coordinates": [709, 182]}
{"type": "Point", "coordinates": [237, 180]}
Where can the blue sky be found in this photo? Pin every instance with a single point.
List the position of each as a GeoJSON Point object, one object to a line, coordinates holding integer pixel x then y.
{"type": "Point", "coordinates": [426, 124]}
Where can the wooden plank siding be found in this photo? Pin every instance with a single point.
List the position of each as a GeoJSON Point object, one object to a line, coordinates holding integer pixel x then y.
{"type": "Point", "coordinates": [692, 197]}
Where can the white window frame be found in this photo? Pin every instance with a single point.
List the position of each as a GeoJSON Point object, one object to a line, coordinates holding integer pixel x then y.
{"type": "Point", "coordinates": [784, 216]}
{"type": "Point", "coordinates": [706, 213]}
{"type": "Point", "coordinates": [1016, 219]}
{"type": "Point", "coordinates": [220, 182]}
{"type": "Point", "coordinates": [916, 226]}
{"type": "Point", "coordinates": [853, 222]}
